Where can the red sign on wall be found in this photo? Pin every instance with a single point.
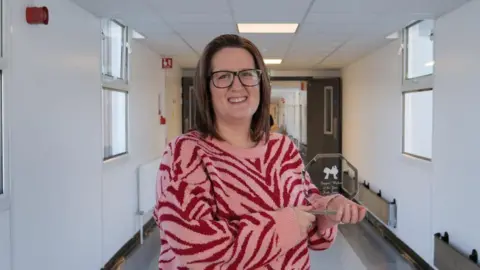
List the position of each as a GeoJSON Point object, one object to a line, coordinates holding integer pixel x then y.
{"type": "Point", "coordinates": [167, 63]}
{"type": "Point", "coordinates": [302, 86]}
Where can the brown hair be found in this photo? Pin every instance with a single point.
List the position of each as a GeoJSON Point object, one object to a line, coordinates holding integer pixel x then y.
{"type": "Point", "coordinates": [205, 117]}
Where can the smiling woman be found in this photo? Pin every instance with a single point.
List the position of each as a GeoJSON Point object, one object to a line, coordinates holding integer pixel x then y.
{"type": "Point", "coordinates": [230, 194]}
{"type": "Point", "coordinates": [225, 59]}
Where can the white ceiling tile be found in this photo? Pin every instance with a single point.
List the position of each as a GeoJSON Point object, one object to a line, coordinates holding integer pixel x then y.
{"type": "Point", "coordinates": [188, 6]}
{"type": "Point", "coordinates": [269, 40]}
{"type": "Point", "coordinates": [337, 6]}
{"type": "Point", "coordinates": [193, 18]}
{"type": "Point", "coordinates": [359, 25]}
{"type": "Point", "coordinates": [300, 61]}
{"type": "Point", "coordinates": [199, 40]}
{"type": "Point", "coordinates": [170, 44]}
{"type": "Point", "coordinates": [253, 11]}
{"type": "Point", "coordinates": [339, 19]}
{"type": "Point", "coordinates": [207, 28]}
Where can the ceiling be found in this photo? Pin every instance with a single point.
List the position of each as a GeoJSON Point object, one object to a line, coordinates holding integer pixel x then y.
{"type": "Point", "coordinates": [331, 34]}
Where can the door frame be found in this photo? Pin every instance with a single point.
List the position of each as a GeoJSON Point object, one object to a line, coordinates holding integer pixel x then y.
{"type": "Point", "coordinates": [312, 78]}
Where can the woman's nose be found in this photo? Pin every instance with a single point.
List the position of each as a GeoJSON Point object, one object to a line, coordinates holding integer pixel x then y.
{"type": "Point", "coordinates": [236, 84]}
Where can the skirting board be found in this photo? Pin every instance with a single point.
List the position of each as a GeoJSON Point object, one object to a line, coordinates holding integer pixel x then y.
{"type": "Point", "coordinates": [127, 249]}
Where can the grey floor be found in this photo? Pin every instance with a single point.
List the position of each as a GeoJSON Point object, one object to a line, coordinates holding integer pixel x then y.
{"type": "Point", "coordinates": [358, 247]}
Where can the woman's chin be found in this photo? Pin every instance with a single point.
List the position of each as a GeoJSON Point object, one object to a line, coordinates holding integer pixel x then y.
{"type": "Point", "coordinates": [240, 117]}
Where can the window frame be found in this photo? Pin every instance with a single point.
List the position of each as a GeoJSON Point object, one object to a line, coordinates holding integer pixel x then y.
{"type": "Point", "coordinates": [127, 124]}
{"type": "Point", "coordinates": [416, 84]}
{"type": "Point", "coordinates": [4, 84]}
{"type": "Point", "coordinates": [421, 82]}
{"type": "Point", "coordinates": [403, 125]}
{"type": "Point", "coordinates": [110, 83]}
{"type": "Point", "coordinates": [107, 80]}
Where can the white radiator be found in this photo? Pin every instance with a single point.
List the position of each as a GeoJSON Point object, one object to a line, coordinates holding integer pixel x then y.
{"type": "Point", "coordinates": [146, 189]}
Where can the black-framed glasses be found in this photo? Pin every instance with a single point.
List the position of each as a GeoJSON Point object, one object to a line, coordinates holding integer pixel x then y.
{"type": "Point", "coordinates": [225, 78]}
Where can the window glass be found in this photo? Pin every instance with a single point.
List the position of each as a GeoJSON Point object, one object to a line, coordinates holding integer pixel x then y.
{"type": "Point", "coordinates": [115, 123]}
{"type": "Point", "coordinates": [114, 50]}
{"type": "Point", "coordinates": [418, 123]}
{"type": "Point", "coordinates": [420, 49]}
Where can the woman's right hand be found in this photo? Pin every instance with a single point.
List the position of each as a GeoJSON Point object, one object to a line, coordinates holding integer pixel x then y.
{"type": "Point", "coordinates": [305, 220]}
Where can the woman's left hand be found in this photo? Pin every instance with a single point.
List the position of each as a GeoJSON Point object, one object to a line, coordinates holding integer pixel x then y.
{"type": "Point", "coordinates": [347, 211]}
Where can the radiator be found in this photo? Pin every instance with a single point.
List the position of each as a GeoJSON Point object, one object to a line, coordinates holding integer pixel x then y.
{"type": "Point", "coordinates": [146, 189]}
{"type": "Point", "coordinates": [447, 257]}
{"type": "Point", "coordinates": [381, 208]}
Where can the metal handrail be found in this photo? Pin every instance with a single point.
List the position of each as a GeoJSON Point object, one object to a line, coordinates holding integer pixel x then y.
{"type": "Point", "coordinates": [336, 155]}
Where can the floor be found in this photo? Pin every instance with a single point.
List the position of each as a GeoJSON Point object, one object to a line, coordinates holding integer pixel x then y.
{"type": "Point", "coordinates": [358, 247]}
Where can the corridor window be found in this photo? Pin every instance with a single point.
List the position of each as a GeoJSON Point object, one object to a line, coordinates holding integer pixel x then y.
{"type": "Point", "coordinates": [115, 74]}
{"type": "Point", "coordinates": [417, 123]}
{"type": "Point", "coordinates": [115, 53]}
{"type": "Point", "coordinates": [4, 188]}
{"type": "Point", "coordinates": [418, 67]}
{"type": "Point", "coordinates": [2, 183]}
{"type": "Point", "coordinates": [115, 123]}
{"type": "Point", "coordinates": [419, 49]}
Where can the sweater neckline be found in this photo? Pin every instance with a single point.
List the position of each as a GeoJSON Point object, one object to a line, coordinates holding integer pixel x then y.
{"type": "Point", "coordinates": [253, 152]}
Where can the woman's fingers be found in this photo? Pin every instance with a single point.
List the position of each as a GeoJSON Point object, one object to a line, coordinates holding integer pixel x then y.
{"type": "Point", "coordinates": [305, 207]}
{"type": "Point", "coordinates": [362, 213]}
{"type": "Point", "coordinates": [354, 213]}
{"type": "Point", "coordinates": [349, 213]}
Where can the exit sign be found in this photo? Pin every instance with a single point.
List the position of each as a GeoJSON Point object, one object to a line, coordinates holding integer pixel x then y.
{"type": "Point", "coordinates": [167, 63]}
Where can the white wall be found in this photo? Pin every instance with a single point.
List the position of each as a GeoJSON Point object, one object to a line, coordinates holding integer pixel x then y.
{"type": "Point", "coordinates": [54, 111]}
{"type": "Point", "coordinates": [456, 144]}
{"type": "Point", "coordinates": [68, 209]}
{"type": "Point", "coordinates": [146, 142]}
{"type": "Point", "coordinates": [5, 240]}
{"type": "Point", "coordinates": [173, 101]}
{"type": "Point", "coordinates": [432, 196]}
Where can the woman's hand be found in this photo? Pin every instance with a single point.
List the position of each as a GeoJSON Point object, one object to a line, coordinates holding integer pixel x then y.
{"type": "Point", "coordinates": [348, 212]}
{"type": "Point", "coordinates": [305, 220]}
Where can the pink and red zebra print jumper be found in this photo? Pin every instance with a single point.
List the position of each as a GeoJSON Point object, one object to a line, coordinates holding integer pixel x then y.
{"type": "Point", "coordinates": [221, 207]}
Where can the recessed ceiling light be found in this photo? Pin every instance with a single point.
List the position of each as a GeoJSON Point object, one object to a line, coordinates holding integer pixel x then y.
{"type": "Point", "coordinates": [430, 64]}
{"type": "Point", "coordinates": [136, 35]}
{"type": "Point", "coordinates": [272, 61]}
{"type": "Point", "coordinates": [394, 35]}
{"type": "Point", "coordinates": [274, 28]}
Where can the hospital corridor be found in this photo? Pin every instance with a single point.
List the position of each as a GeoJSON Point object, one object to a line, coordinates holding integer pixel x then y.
{"type": "Point", "coordinates": [374, 114]}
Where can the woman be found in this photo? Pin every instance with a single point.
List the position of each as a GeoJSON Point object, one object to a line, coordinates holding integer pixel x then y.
{"type": "Point", "coordinates": [229, 194]}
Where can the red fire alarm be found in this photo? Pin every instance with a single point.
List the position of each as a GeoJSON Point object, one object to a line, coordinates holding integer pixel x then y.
{"type": "Point", "coordinates": [163, 120]}
{"type": "Point", "coordinates": [36, 15]}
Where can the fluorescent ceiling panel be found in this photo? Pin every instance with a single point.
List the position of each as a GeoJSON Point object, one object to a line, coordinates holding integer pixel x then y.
{"type": "Point", "coordinates": [272, 61]}
{"type": "Point", "coordinates": [274, 28]}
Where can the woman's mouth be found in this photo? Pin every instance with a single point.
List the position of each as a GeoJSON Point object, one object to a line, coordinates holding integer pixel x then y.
{"type": "Point", "coordinates": [236, 100]}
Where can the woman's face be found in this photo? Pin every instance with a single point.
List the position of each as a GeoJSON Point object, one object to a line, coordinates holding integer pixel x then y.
{"type": "Point", "coordinates": [234, 98]}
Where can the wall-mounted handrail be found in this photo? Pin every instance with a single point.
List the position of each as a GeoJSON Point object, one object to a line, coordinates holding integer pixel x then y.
{"type": "Point", "coordinates": [351, 195]}
{"type": "Point", "coordinates": [446, 257]}
{"type": "Point", "coordinates": [383, 209]}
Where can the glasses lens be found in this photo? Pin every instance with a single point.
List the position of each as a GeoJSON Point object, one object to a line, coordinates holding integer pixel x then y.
{"type": "Point", "coordinates": [249, 77]}
{"type": "Point", "coordinates": [222, 79]}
